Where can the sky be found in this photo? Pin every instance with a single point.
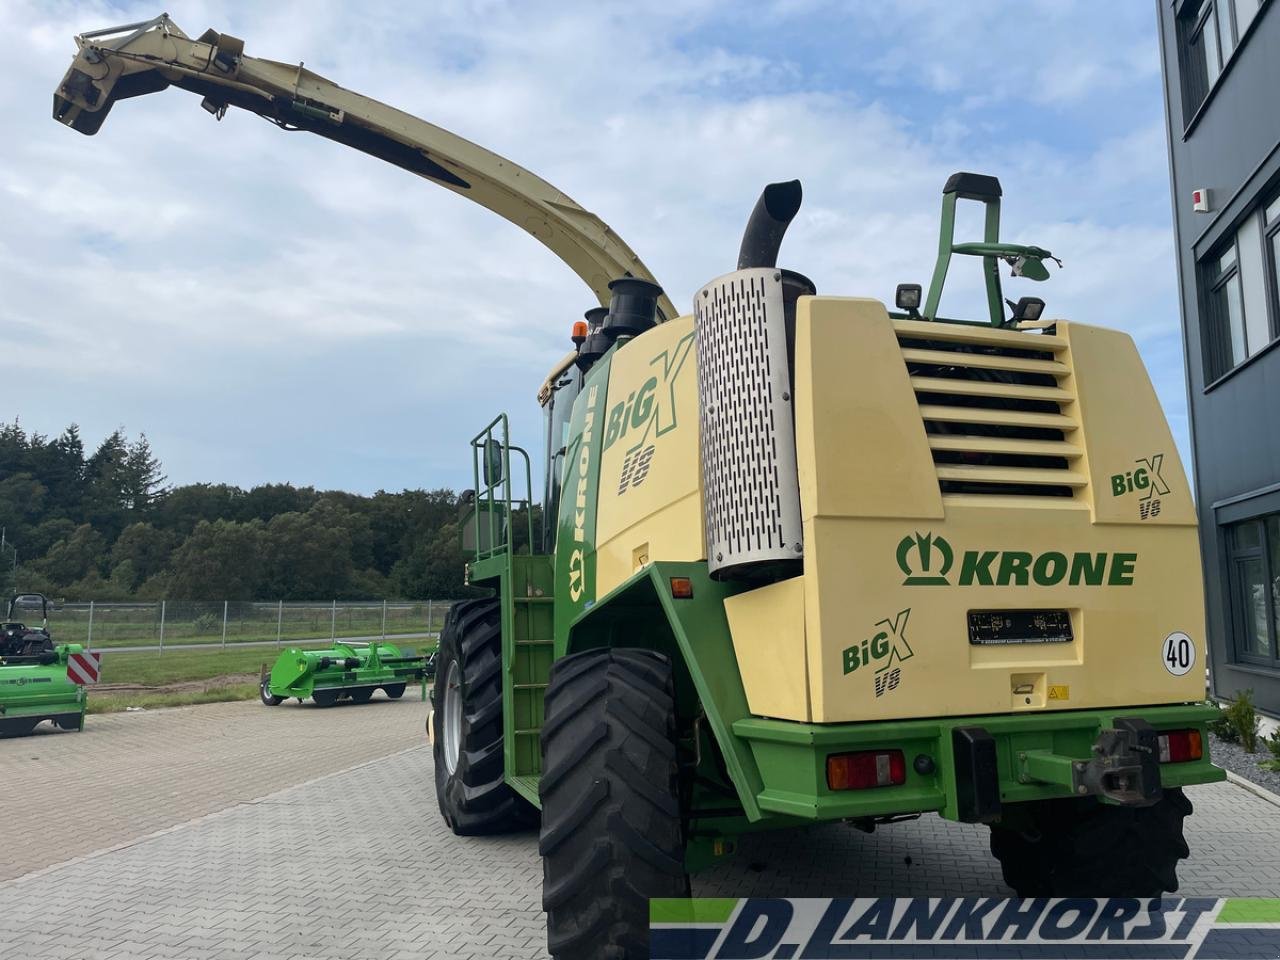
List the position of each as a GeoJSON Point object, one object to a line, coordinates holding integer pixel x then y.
{"type": "Point", "coordinates": [273, 307]}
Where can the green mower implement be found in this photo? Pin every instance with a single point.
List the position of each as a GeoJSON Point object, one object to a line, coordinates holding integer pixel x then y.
{"type": "Point", "coordinates": [344, 671]}
{"type": "Point", "coordinates": [35, 684]}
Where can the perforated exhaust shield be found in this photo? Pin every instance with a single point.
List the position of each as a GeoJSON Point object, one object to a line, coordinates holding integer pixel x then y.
{"type": "Point", "coordinates": [749, 478]}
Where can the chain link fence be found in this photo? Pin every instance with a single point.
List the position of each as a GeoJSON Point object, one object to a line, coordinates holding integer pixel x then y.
{"type": "Point", "coordinates": [179, 623]}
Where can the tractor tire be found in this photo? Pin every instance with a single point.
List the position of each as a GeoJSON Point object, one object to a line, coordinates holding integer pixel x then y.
{"type": "Point", "coordinates": [1085, 848]}
{"type": "Point", "coordinates": [612, 825]}
{"type": "Point", "coordinates": [269, 698]}
{"type": "Point", "coordinates": [394, 691]}
{"type": "Point", "coordinates": [467, 737]}
{"type": "Point", "coordinates": [324, 698]}
{"type": "Point", "coordinates": [361, 695]}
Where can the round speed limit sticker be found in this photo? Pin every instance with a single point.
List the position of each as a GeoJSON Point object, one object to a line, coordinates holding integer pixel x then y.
{"type": "Point", "coordinates": [1178, 654]}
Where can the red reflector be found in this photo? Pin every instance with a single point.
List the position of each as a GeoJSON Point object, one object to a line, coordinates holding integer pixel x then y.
{"type": "Point", "coordinates": [870, 768]}
{"type": "Point", "coordinates": [1179, 746]}
{"type": "Point", "coordinates": [682, 588]}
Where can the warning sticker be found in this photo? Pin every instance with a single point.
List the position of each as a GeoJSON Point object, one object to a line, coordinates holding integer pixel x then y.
{"type": "Point", "coordinates": [1059, 691]}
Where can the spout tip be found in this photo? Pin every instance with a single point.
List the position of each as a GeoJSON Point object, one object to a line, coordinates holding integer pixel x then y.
{"type": "Point", "coordinates": [783, 199]}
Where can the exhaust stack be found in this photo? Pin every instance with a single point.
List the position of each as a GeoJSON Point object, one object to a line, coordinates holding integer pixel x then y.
{"type": "Point", "coordinates": [744, 328]}
{"type": "Point", "coordinates": [773, 213]}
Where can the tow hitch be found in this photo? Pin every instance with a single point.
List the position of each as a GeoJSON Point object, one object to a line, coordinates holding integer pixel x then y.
{"type": "Point", "coordinates": [1124, 768]}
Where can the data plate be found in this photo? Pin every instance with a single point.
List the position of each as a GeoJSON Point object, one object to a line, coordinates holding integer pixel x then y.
{"type": "Point", "coordinates": [1019, 626]}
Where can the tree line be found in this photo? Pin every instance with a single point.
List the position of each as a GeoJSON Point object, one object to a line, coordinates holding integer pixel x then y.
{"type": "Point", "coordinates": [107, 526]}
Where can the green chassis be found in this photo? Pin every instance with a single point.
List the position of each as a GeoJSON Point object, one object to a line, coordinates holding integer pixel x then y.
{"type": "Point", "coordinates": [751, 773]}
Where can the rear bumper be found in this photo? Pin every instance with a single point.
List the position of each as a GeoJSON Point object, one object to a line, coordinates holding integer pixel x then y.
{"type": "Point", "coordinates": [792, 759]}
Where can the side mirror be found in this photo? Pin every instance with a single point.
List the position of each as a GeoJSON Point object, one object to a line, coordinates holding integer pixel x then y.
{"type": "Point", "coordinates": [492, 462]}
{"type": "Point", "coordinates": [1031, 268]}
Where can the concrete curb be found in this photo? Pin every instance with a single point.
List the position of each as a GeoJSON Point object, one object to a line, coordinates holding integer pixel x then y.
{"type": "Point", "coordinates": [1261, 792]}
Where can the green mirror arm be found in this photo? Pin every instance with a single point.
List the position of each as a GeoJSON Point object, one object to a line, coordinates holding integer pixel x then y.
{"type": "Point", "coordinates": [1002, 250]}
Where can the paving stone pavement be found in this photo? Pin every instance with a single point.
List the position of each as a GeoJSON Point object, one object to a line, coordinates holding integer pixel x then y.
{"type": "Point", "coordinates": [129, 774]}
{"type": "Point", "coordinates": [357, 864]}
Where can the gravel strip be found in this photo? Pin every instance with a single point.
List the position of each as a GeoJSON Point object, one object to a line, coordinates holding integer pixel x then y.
{"type": "Point", "coordinates": [1232, 756]}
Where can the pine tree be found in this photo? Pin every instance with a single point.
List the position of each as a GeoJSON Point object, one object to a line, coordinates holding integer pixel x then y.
{"type": "Point", "coordinates": [143, 479]}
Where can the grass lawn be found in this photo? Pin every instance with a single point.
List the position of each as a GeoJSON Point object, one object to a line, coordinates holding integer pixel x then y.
{"type": "Point", "coordinates": [115, 702]}
{"type": "Point", "coordinates": [157, 669]}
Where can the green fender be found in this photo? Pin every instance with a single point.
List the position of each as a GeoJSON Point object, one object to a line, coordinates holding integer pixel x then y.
{"type": "Point", "coordinates": [640, 612]}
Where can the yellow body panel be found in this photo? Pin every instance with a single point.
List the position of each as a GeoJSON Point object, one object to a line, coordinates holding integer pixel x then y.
{"type": "Point", "coordinates": [650, 501]}
{"type": "Point", "coordinates": [851, 639]}
{"type": "Point", "coordinates": [768, 638]}
{"type": "Point", "coordinates": [868, 481]}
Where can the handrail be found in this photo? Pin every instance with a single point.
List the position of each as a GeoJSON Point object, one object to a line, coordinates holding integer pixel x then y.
{"type": "Point", "coordinates": [497, 493]}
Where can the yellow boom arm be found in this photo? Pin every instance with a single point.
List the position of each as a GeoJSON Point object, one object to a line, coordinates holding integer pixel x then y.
{"type": "Point", "coordinates": [147, 57]}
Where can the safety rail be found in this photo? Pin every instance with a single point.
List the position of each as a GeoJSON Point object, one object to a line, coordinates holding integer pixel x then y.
{"type": "Point", "coordinates": [491, 451]}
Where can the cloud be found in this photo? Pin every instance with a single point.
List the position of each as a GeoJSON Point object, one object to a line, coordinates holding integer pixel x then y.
{"type": "Point", "coordinates": [271, 306]}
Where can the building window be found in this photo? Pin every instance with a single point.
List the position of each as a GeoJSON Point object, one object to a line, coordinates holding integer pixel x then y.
{"type": "Point", "coordinates": [1241, 283]}
{"type": "Point", "coordinates": [1254, 577]}
{"type": "Point", "coordinates": [1209, 33]}
{"type": "Point", "coordinates": [1272, 220]}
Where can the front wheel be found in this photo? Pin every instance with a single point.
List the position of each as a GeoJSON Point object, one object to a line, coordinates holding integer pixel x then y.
{"type": "Point", "coordinates": [269, 698]}
{"type": "Point", "coordinates": [467, 737]}
{"type": "Point", "coordinates": [612, 830]}
{"type": "Point", "coordinates": [1086, 848]}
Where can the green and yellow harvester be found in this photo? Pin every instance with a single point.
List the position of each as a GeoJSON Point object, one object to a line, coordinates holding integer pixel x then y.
{"type": "Point", "coordinates": [802, 558]}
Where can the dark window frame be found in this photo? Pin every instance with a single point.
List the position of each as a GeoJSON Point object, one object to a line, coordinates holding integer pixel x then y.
{"type": "Point", "coordinates": [1240, 607]}
{"type": "Point", "coordinates": [1190, 19]}
{"type": "Point", "coordinates": [1271, 260]}
{"type": "Point", "coordinates": [1195, 70]}
{"type": "Point", "coordinates": [1215, 327]}
{"type": "Point", "coordinates": [1219, 358]}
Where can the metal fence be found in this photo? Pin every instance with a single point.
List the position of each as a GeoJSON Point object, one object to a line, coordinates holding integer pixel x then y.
{"type": "Point", "coordinates": [183, 623]}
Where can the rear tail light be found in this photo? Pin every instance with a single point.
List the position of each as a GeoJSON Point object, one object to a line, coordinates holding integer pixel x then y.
{"type": "Point", "coordinates": [1179, 746]}
{"type": "Point", "coordinates": [870, 768]}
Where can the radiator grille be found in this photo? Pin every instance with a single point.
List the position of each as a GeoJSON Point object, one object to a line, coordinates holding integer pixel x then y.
{"type": "Point", "coordinates": [998, 407]}
{"type": "Point", "coordinates": [750, 482]}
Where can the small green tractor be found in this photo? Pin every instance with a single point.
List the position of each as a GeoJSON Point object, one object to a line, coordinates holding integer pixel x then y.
{"type": "Point", "coordinates": [38, 682]}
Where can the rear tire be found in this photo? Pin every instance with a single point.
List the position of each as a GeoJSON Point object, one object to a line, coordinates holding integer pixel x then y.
{"type": "Point", "coordinates": [612, 827]}
{"type": "Point", "coordinates": [1085, 848]}
{"type": "Point", "coordinates": [474, 798]}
